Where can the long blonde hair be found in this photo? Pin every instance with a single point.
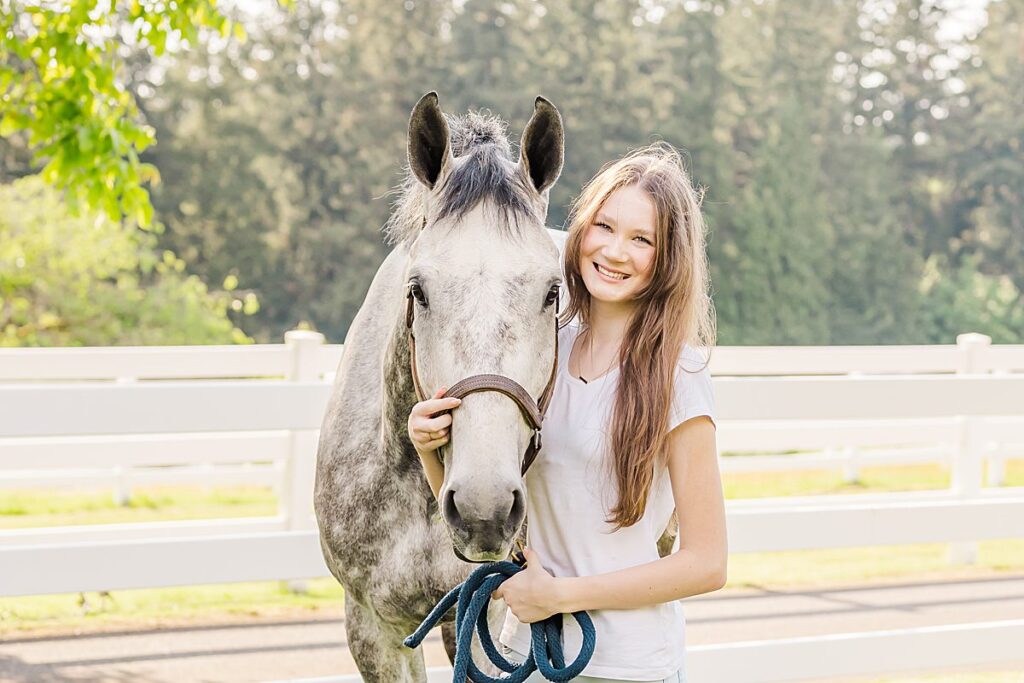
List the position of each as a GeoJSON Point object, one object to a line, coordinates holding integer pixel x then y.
{"type": "Point", "coordinates": [674, 309]}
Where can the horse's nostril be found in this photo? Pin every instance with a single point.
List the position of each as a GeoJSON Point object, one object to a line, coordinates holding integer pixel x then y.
{"type": "Point", "coordinates": [451, 512]}
{"type": "Point", "coordinates": [517, 512]}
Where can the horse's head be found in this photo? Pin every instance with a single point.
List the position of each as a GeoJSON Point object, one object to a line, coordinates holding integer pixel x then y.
{"type": "Point", "coordinates": [484, 275]}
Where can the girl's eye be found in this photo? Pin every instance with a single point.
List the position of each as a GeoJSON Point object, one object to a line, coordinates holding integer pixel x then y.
{"type": "Point", "coordinates": [644, 240]}
{"type": "Point", "coordinates": [603, 226]}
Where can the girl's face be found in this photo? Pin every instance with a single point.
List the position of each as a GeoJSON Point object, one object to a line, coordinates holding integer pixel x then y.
{"type": "Point", "coordinates": [617, 251]}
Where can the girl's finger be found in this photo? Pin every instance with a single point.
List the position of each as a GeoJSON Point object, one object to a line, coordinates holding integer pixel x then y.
{"type": "Point", "coordinates": [434, 445]}
{"type": "Point", "coordinates": [438, 423]}
{"type": "Point", "coordinates": [435, 405]}
{"type": "Point", "coordinates": [440, 392]}
{"type": "Point", "coordinates": [422, 425]}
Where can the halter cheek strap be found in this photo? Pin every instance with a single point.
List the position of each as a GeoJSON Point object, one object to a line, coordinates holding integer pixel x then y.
{"type": "Point", "coordinates": [533, 411]}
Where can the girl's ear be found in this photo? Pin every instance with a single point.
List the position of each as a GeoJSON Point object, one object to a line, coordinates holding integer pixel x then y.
{"type": "Point", "coordinates": [429, 141]}
{"type": "Point", "coordinates": [541, 150]}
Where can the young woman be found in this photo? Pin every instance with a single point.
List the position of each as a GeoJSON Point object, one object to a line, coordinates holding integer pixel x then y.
{"type": "Point", "coordinates": [629, 437]}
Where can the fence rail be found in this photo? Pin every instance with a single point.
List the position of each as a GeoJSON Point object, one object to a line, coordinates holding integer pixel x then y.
{"type": "Point", "coordinates": [133, 415]}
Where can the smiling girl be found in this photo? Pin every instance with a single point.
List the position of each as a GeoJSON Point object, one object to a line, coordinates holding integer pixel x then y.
{"type": "Point", "coordinates": [629, 437]}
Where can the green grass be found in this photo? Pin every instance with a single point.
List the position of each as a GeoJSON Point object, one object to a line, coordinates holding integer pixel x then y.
{"type": "Point", "coordinates": [154, 607]}
{"type": "Point", "coordinates": [848, 565]}
{"type": "Point", "coordinates": [851, 565]}
{"type": "Point", "coordinates": [967, 677]}
{"type": "Point", "coordinates": [39, 507]}
{"type": "Point", "coordinates": [921, 477]}
{"type": "Point", "coordinates": [143, 608]}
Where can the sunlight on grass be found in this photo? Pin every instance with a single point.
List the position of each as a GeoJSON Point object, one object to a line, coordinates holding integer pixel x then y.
{"type": "Point", "coordinates": [145, 608]}
{"type": "Point", "coordinates": [43, 507]}
{"type": "Point", "coordinates": [845, 565]}
{"type": "Point", "coordinates": [921, 477]}
{"type": "Point", "coordinates": [96, 611]}
{"type": "Point", "coordinates": [967, 677]}
{"type": "Point", "coordinates": [32, 508]}
{"type": "Point", "coordinates": [822, 482]}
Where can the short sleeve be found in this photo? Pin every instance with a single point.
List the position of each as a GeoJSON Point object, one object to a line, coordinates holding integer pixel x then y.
{"type": "Point", "coordinates": [693, 394]}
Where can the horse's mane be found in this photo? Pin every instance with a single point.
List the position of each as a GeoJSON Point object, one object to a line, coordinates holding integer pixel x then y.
{"type": "Point", "coordinates": [489, 171]}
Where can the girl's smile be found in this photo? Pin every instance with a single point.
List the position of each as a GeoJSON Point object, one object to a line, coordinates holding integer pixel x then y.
{"type": "Point", "coordinates": [609, 273]}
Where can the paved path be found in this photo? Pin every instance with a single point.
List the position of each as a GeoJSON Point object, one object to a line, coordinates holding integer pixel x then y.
{"type": "Point", "coordinates": [262, 651]}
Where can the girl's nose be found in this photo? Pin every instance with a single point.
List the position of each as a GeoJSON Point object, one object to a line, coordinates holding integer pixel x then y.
{"type": "Point", "coordinates": [614, 250]}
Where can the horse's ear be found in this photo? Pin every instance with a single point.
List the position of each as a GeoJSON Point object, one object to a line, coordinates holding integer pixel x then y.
{"type": "Point", "coordinates": [542, 147]}
{"type": "Point", "coordinates": [429, 146]}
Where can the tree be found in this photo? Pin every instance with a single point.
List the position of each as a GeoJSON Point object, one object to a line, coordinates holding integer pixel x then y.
{"type": "Point", "coordinates": [988, 144]}
{"type": "Point", "coordinates": [960, 298]}
{"type": "Point", "coordinates": [88, 280]}
{"type": "Point", "coordinates": [280, 154]}
{"type": "Point", "coordinates": [895, 72]}
{"type": "Point", "coordinates": [59, 85]}
{"type": "Point", "coordinates": [771, 258]}
{"type": "Point", "coordinates": [818, 130]}
{"type": "Point", "coordinates": [873, 290]}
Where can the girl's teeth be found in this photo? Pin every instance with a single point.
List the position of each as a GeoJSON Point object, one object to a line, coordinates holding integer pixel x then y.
{"type": "Point", "coordinates": [609, 273]}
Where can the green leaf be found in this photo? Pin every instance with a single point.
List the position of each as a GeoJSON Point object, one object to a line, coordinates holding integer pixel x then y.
{"type": "Point", "coordinates": [8, 126]}
{"type": "Point", "coordinates": [144, 213]}
{"type": "Point", "coordinates": [85, 140]}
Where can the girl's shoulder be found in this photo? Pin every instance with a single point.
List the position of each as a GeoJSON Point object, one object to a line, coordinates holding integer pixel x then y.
{"type": "Point", "coordinates": [693, 393]}
{"type": "Point", "coordinates": [694, 359]}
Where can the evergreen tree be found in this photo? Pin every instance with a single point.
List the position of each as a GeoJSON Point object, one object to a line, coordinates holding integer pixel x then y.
{"type": "Point", "coordinates": [771, 267]}
{"type": "Point", "coordinates": [987, 156]}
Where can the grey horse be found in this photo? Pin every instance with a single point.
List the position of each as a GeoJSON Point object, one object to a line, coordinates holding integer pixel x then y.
{"type": "Point", "coordinates": [470, 242]}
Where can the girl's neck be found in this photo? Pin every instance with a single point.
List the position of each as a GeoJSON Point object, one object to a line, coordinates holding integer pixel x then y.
{"type": "Point", "coordinates": [608, 322]}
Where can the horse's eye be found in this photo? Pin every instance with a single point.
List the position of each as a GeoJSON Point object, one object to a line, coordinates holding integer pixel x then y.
{"type": "Point", "coordinates": [552, 296]}
{"type": "Point", "coordinates": [417, 293]}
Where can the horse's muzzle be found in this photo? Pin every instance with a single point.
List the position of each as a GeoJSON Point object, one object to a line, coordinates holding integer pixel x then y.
{"type": "Point", "coordinates": [483, 530]}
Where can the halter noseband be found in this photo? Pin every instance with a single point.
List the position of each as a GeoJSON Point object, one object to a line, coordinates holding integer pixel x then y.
{"type": "Point", "coordinates": [532, 410]}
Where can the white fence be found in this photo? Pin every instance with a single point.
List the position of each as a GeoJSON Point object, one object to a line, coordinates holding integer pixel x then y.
{"type": "Point", "coordinates": [245, 413]}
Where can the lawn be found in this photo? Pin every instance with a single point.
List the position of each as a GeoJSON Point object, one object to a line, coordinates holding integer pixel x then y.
{"type": "Point", "coordinates": [966, 677]}
{"type": "Point", "coordinates": [141, 608]}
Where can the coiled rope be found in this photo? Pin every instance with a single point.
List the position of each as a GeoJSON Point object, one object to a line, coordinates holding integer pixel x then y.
{"type": "Point", "coordinates": [472, 598]}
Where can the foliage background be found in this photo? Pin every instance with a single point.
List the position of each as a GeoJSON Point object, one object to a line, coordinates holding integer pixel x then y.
{"type": "Point", "coordinates": [863, 159]}
{"type": "Point", "coordinates": [88, 280]}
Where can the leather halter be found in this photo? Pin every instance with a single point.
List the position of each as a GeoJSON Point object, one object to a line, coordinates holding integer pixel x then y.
{"type": "Point", "coordinates": [532, 410]}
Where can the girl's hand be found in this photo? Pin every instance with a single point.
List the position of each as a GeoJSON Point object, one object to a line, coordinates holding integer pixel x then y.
{"type": "Point", "coordinates": [532, 594]}
{"type": "Point", "coordinates": [428, 433]}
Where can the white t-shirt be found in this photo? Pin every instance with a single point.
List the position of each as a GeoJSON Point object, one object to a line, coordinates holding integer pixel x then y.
{"type": "Point", "coordinates": [569, 495]}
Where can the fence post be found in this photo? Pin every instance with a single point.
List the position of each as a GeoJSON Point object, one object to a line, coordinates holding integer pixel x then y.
{"type": "Point", "coordinates": [996, 467]}
{"type": "Point", "coordinates": [851, 468]}
{"type": "Point", "coordinates": [296, 498]}
{"type": "Point", "coordinates": [122, 480]}
{"type": "Point", "coordinates": [968, 459]}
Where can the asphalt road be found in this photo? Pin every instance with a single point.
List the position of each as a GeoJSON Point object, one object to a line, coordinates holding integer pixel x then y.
{"type": "Point", "coordinates": [308, 648]}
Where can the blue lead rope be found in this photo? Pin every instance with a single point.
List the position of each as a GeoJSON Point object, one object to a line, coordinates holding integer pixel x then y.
{"type": "Point", "coordinates": [472, 598]}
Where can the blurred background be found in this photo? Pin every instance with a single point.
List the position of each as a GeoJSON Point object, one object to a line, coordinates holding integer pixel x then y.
{"type": "Point", "coordinates": [195, 172]}
{"type": "Point", "coordinates": [862, 161]}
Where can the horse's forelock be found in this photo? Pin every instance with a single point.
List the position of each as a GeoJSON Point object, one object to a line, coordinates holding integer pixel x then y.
{"type": "Point", "coordinates": [476, 128]}
{"type": "Point", "coordinates": [486, 171]}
